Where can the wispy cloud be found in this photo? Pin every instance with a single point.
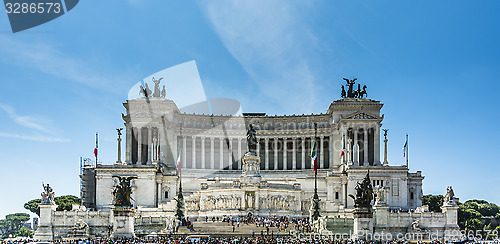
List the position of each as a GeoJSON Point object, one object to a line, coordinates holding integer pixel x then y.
{"type": "Point", "coordinates": [273, 44]}
{"type": "Point", "coordinates": [32, 122]}
{"type": "Point", "coordinates": [23, 120]}
{"type": "Point", "coordinates": [37, 137]}
{"type": "Point", "coordinates": [46, 58]}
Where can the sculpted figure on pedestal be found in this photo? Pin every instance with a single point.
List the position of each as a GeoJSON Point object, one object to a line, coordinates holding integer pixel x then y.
{"type": "Point", "coordinates": [449, 198]}
{"type": "Point", "coordinates": [122, 191]}
{"type": "Point", "coordinates": [47, 195]}
{"type": "Point", "coordinates": [251, 139]}
{"type": "Point", "coordinates": [364, 193]}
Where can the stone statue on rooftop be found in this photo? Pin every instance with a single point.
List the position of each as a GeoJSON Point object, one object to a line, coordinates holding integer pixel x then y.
{"type": "Point", "coordinates": [350, 83]}
{"type": "Point", "coordinates": [351, 93]}
{"type": "Point", "coordinates": [163, 92]}
{"type": "Point", "coordinates": [145, 91]}
{"type": "Point", "coordinates": [342, 93]}
{"type": "Point", "coordinates": [157, 92]}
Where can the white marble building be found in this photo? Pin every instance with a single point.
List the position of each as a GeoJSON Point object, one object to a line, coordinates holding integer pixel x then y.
{"type": "Point", "coordinates": [211, 149]}
{"type": "Point", "coordinates": [219, 177]}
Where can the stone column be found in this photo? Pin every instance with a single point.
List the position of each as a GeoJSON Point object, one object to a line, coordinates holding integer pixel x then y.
{"type": "Point", "coordinates": [193, 153]}
{"type": "Point", "coordinates": [349, 151]}
{"type": "Point", "coordinates": [376, 145]}
{"type": "Point", "coordinates": [385, 152]}
{"type": "Point", "coordinates": [128, 146]}
{"type": "Point", "coordinates": [161, 147]}
{"type": "Point", "coordinates": [285, 149]}
{"type": "Point", "coordinates": [365, 146]}
{"type": "Point", "coordinates": [294, 153]}
{"type": "Point", "coordinates": [139, 145]}
{"type": "Point", "coordinates": [239, 153]}
{"type": "Point", "coordinates": [344, 194]}
{"type": "Point", "coordinates": [184, 151]}
{"type": "Point", "coordinates": [230, 154]}
{"type": "Point", "coordinates": [275, 153]}
{"type": "Point", "coordinates": [321, 153]}
{"type": "Point", "coordinates": [221, 153]}
{"type": "Point", "coordinates": [203, 161]}
{"type": "Point", "coordinates": [158, 191]}
{"type": "Point", "coordinates": [303, 140]}
{"type": "Point", "coordinates": [212, 154]}
{"type": "Point", "coordinates": [267, 153]}
{"type": "Point", "coordinates": [355, 147]}
{"type": "Point", "coordinates": [150, 144]}
{"type": "Point", "coordinates": [258, 148]}
{"type": "Point", "coordinates": [119, 160]}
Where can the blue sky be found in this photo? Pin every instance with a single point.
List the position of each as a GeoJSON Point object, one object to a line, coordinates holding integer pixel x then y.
{"type": "Point", "coordinates": [434, 64]}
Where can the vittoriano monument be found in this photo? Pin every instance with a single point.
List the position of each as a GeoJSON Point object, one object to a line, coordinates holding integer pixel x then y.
{"type": "Point", "coordinates": [248, 163]}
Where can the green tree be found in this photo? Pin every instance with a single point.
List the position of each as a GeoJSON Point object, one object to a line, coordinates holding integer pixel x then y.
{"type": "Point", "coordinates": [23, 231]}
{"type": "Point", "coordinates": [473, 224]}
{"type": "Point", "coordinates": [13, 223]}
{"type": "Point", "coordinates": [33, 207]}
{"type": "Point", "coordinates": [63, 203]}
{"type": "Point", "coordinates": [465, 213]}
{"type": "Point", "coordinates": [434, 202]}
{"type": "Point", "coordinates": [179, 207]}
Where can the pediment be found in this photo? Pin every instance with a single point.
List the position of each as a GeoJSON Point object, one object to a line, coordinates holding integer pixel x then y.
{"type": "Point", "coordinates": [361, 116]}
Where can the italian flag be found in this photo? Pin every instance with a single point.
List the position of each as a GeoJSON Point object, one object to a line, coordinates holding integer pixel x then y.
{"type": "Point", "coordinates": [404, 148]}
{"type": "Point", "coordinates": [343, 148]}
{"type": "Point", "coordinates": [314, 156]}
{"type": "Point", "coordinates": [179, 160]}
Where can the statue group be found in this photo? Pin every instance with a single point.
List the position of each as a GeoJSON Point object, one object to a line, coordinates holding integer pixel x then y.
{"type": "Point", "coordinates": [146, 92]}
{"type": "Point", "coordinates": [47, 195]}
{"type": "Point", "coordinates": [364, 193]}
{"type": "Point", "coordinates": [122, 191]}
{"type": "Point", "coordinates": [351, 93]}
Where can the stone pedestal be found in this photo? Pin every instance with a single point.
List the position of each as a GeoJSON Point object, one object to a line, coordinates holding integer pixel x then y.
{"type": "Point", "coordinates": [250, 172]}
{"type": "Point", "coordinates": [363, 223]}
{"type": "Point", "coordinates": [452, 229]}
{"type": "Point", "coordinates": [45, 230]}
{"type": "Point", "coordinates": [123, 222]}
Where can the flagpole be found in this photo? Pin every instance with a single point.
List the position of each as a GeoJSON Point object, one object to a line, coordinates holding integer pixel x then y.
{"type": "Point", "coordinates": [315, 164]}
{"type": "Point", "coordinates": [407, 147]}
{"type": "Point", "coordinates": [315, 201]}
{"type": "Point", "coordinates": [96, 147]}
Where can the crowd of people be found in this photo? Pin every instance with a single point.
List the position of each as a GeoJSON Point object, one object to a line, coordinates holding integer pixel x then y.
{"type": "Point", "coordinates": [270, 225]}
{"type": "Point", "coordinates": [223, 240]}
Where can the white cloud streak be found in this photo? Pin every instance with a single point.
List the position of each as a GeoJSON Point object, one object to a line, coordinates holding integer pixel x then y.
{"type": "Point", "coordinates": [47, 59]}
{"type": "Point", "coordinates": [274, 46]}
{"type": "Point", "coordinates": [33, 137]}
{"type": "Point", "coordinates": [23, 120]}
{"type": "Point", "coordinates": [31, 122]}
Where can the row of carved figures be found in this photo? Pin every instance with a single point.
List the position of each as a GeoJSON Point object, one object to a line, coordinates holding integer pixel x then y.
{"type": "Point", "coordinates": [275, 202]}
